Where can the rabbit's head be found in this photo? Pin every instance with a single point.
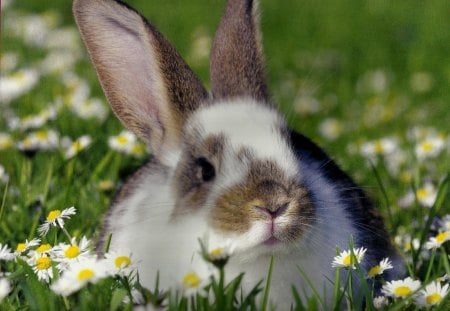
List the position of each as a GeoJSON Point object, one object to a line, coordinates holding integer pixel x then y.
{"type": "Point", "coordinates": [229, 152]}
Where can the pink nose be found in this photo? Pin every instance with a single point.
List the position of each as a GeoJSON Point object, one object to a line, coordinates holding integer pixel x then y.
{"type": "Point", "coordinates": [273, 211]}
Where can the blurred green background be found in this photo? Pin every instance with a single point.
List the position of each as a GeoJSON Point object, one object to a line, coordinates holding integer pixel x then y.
{"type": "Point", "coordinates": [344, 73]}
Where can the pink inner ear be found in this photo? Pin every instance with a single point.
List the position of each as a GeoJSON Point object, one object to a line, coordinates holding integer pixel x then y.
{"type": "Point", "coordinates": [126, 61]}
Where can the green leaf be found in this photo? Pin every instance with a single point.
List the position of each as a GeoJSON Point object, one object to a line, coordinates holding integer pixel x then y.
{"type": "Point", "coordinates": [117, 297]}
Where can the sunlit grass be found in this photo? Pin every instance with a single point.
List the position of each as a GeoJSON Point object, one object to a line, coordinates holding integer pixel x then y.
{"type": "Point", "coordinates": [367, 80]}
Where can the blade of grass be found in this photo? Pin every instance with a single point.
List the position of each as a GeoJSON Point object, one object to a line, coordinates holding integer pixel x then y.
{"type": "Point", "coordinates": [267, 288]}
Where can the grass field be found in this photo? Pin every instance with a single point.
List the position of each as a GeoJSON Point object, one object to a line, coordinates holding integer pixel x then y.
{"type": "Point", "coordinates": [368, 80]}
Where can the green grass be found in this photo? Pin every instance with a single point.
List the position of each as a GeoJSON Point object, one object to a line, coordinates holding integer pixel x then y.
{"type": "Point", "coordinates": [325, 53]}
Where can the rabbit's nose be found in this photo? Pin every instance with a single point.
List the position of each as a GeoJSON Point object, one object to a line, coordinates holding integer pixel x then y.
{"type": "Point", "coordinates": [274, 210]}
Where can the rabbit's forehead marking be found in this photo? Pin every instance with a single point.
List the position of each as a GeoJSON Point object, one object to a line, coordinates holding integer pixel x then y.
{"type": "Point", "coordinates": [245, 123]}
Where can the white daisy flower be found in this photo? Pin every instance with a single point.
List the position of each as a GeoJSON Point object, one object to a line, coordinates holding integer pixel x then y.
{"type": "Point", "coordinates": [17, 84]}
{"type": "Point", "coordinates": [65, 254]}
{"type": "Point", "coordinates": [119, 262]}
{"type": "Point", "coordinates": [380, 302]}
{"type": "Point", "coordinates": [192, 283]}
{"type": "Point", "coordinates": [39, 140]}
{"type": "Point", "coordinates": [23, 247]}
{"type": "Point", "coordinates": [6, 253]}
{"type": "Point", "coordinates": [373, 82]}
{"type": "Point", "coordinates": [438, 240]}
{"type": "Point", "coordinates": [380, 147]}
{"type": "Point", "coordinates": [431, 295]}
{"type": "Point", "coordinates": [78, 275]}
{"type": "Point", "coordinates": [401, 288]}
{"type": "Point", "coordinates": [331, 128]}
{"type": "Point", "coordinates": [56, 218]}
{"type": "Point", "coordinates": [430, 147]}
{"type": "Point", "coordinates": [345, 260]}
{"type": "Point", "coordinates": [77, 146]}
{"type": "Point", "coordinates": [384, 265]}
{"type": "Point", "coordinates": [42, 266]}
{"type": "Point", "coordinates": [123, 142]}
{"type": "Point", "coordinates": [306, 104]}
{"type": "Point", "coordinates": [90, 108]}
{"type": "Point", "coordinates": [5, 288]}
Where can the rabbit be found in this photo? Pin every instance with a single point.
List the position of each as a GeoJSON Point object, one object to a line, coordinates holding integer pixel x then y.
{"type": "Point", "coordinates": [224, 165]}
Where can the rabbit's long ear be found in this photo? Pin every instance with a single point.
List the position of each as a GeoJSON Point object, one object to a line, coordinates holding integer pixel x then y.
{"type": "Point", "coordinates": [237, 61]}
{"type": "Point", "coordinates": [148, 85]}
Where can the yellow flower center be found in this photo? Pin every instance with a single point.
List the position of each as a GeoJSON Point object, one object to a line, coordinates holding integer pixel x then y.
{"type": "Point", "coordinates": [53, 215]}
{"type": "Point", "coordinates": [402, 291]}
{"type": "Point", "coordinates": [422, 193]}
{"type": "Point", "coordinates": [42, 135]}
{"type": "Point", "coordinates": [122, 139]}
{"type": "Point", "coordinates": [77, 146]}
{"type": "Point", "coordinates": [72, 251]}
{"type": "Point", "coordinates": [374, 271]}
{"type": "Point", "coordinates": [21, 247]}
{"type": "Point", "coordinates": [217, 252]}
{"type": "Point", "coordinates": [43, 248]}
{"type": "Point", "coordinates": [43, 263]}
{"type": "Point", "coordinates": [347, 260]}
{"type": "Point", "coordinates": [427, 146]}
{"type": "Point", "coordinates": [191, 280]}
{"type": "Point", "coordinates": [433, 299]}
{"type": "Point", "coordinates": [441, 237]}
{"type": "Point", "coordinates": [122, 261]}
{"type": "Point", "coordinates": [137, 149]}
{"type": "Point", "coordinates": [85, 274]}
{"type": "Point", "coordinates": [379, 149]}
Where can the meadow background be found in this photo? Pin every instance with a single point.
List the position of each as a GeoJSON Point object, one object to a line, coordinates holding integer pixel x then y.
{"type": "Point", "coordinates": [368, 80]}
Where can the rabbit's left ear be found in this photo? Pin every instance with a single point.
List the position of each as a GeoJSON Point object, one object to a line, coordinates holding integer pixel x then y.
{"type": "Point", "coordinates": [237, 61]}
{"type": "Point", "coordinates": [148, 85]}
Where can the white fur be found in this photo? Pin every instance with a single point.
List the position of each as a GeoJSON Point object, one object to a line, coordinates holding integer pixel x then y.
{"type": "Point", "coordinates": [248, 123]}
{"type": "Point", "coordinates": [142, 221]}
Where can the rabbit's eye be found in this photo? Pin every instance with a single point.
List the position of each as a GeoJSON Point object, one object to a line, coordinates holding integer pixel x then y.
{"type": "Point", "coordinates": [207, 171]}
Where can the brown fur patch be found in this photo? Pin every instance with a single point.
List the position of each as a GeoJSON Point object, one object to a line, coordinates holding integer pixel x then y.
{"type": "Point", "coordinates": [266, 187]}
{"type": "Point", "coordinates": [191, 190]}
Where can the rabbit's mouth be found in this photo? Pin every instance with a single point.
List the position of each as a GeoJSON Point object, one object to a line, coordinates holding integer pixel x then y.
{"type": "Point", "coordinates": [271, 241]}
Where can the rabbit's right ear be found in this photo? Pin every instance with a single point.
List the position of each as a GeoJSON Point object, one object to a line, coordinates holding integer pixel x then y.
{"type": "Point", "coordinates": [147, 83]}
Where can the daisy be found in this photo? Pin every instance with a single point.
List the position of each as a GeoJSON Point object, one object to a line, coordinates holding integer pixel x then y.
{"type": "Point", "coordinates": [385, 264]}
{"type": "Point", "coordinates": [56, 218]}
{"type": "Point", "coordinates": [66, 254]}
{"type": "Point", "coordinates": [78, 275]}
{"type": "Point", "coordinates": [431, 295]}
{"type": "Point", "coordinates": [39, 140]}
{"type": "Point", "coordinates": [42, 266]}
{"type": "Point", "coordinates": [401, 288]}
{"type": "Point", "coordinates": [23, 247]}
{"type": "Point", "coordinates": [5, 288]}
{"type": "Point", "coordinates": [90, 108]}
{"type": "Point", "coordinates": [429, 147]}
{"type": "Point", "coordinates": [77, 146]}
{"type": "Point", "coordinates": [5, 253]}
{"type": "Point", "coordinates": [331, 128]}
{"type": "Point", "coordinates": [219, 255]}
{"type": "Point", "coordinates": [17, 84]}
{"type": "Point", "coordinates": [192, 283]}
{"type": "Point", "coordinates": [119, 262]}
{"type": "Point", "coordinates": [123, 142]}
{"type": "Point", "coordinates": [345, 260]}
{"type": "Point", "coordinates": [438, 240]}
